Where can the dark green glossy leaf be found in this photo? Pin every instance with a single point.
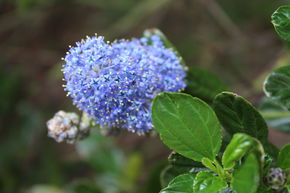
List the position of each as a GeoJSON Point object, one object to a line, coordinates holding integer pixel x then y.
{"type": "Point", "coordinates": [180, 184]}
{"type": "Point", "coordinates": [284, 157]}
{"type": "Point", "coordinates": [206, 182]}
{"type": "Point", "coordinates": [237, 115]}
{"type": "Point", "coordinates": [277, 86]}
{"type": "Point", "coordinates": [203, 84]}
{"type": "Point", "coordinates": [187, 125]}
{"type": "Point", "coordinates": [246, 178]}
{"type": "Point", "coordinates": [281, 22]}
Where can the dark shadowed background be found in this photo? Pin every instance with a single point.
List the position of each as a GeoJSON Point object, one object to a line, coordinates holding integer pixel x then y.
{"type": "Point", "coordinates": [233, 39]}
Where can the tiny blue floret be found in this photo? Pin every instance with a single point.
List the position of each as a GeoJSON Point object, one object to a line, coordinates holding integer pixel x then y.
{"type": "Point", "coordinates": [116, 82]}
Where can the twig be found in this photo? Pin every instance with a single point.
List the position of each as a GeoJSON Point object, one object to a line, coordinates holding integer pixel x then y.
{"type": "Point", "coordinates": [139, 12]}
{"type": "Point", "coordinates": [222, 18]}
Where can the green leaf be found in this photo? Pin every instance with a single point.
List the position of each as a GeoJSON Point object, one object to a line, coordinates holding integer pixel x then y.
{"type": "Point", "coordinates": [246, 178]}
{"type": "Point", "coordinates": [237, 115]}
{"type": "Point", "coordinates": [277, 86]}
{"type": "Point", "coordinates": [203, 84]}
{"type": "Point", "coordinates": [281, 21]}
{"type": "Point", "coordinates": [209, 164]}
{"type": "Point", "coordinates": [284, 157]}
{"type": "Point", "coordinates": [275, 115]}
{"type": "Point", "coordinates": [239, 146]}
{"type": "Point", "coordinates": [180, 184]}
{"type": "Point", "coordinates": [187, 125]}
{"type": "Point", "coordinates": [206, 182]}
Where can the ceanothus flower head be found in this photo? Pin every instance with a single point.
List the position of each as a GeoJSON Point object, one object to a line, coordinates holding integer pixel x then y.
{"type": "Point", "coordinates": [116, 82]}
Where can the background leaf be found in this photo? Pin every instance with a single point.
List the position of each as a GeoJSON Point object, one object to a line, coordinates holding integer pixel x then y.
{"type": "Point", "coordinates": [98, 152]}
{"type": "Point", "coordinates": [180, 184]}
{"type": "Point", "coordinates": [246, 178]}
{"type": "Point", "coordinates": [187, 125]}
{"type": "Point", "coordinates": [83, 186]}
{"type": "Point", "coordinates": [206, 182]}
{"type": "Point", "coordinates": [203, 84]}
{"type": "Point", "coordinates": [281, 21]}
{"type": "Point", "coordinates": [277, 85]}
{"type": "Point", "coordinates": [284, 157]}
{"type": "Point", "coordinates": [237, 115]}
{"type": "Point", "coordinates": [42, 188]}
{"type": "Point", "coordinates": [275, 115]}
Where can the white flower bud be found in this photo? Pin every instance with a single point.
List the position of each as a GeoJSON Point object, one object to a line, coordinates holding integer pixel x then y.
{"type": "Point", "coordinates": [64, 127]}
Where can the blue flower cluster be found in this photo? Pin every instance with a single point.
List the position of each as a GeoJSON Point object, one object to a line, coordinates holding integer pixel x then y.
{"type": "Point", "coordinates": [116, 82]}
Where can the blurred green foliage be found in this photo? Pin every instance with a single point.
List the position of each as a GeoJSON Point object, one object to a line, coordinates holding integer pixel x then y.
{"type": "Point", "coordinates": [233, 39]}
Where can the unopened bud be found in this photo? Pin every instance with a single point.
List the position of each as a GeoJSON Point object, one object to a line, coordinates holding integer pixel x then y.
{"type": "Point", "coordinates": [276, 178]}
{"type": "Point", "coordinates": [65, 127]}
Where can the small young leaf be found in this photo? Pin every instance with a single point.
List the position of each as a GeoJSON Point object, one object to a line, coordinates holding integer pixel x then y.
{"type": "Point", "coordinates": [237, 148]}
{"type": "Point", "coordinates": [206, 182]}
{"type": "Point", "coordinates": [180, 184]}
{"type": "Point", "coordinates": [187, 125]}
{"type": "Point", "coordinates": [284, 157]}
{"type": "Point", "coordinates": [237, 115]}
{"type": "Point", "coordinates": [209, 164]}
{"type": "Point", "coordinates": [203, 84]}
{"type": "Point", "coordinates": [246, 178]}
{"type": "Point", "coordinates": [281, 22]}
{"type": "Point", "coordinates": [277, 85]}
